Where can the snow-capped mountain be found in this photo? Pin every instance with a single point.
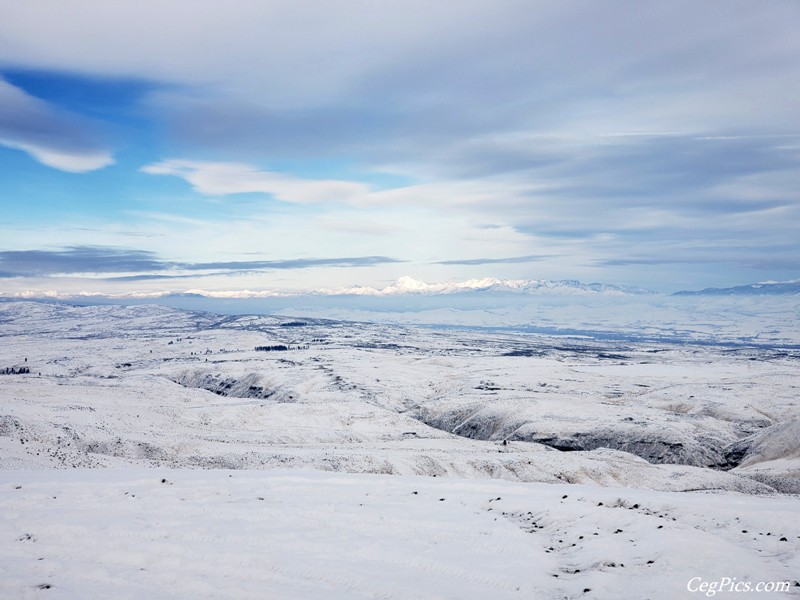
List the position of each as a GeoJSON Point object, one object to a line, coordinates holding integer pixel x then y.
{"type": "Point", "coordinates": [410, 286]}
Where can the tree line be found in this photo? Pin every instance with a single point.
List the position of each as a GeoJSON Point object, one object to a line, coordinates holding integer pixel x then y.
{"type": "Point", "coordinates": [15, 371]}
{"type": "Point", "coordinates": [279, 348]}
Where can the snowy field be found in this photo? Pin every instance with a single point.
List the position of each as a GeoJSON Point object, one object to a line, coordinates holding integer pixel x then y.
{"type": "Point", "coordinates": [151, 452]}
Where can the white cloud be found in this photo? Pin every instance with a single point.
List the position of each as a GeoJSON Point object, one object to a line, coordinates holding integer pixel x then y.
{"type": "Point", "coordinates": [52, 136]}
{"type": "Point", "coordinates": [287, 52]}
{"type": "Point", "coordinates": [223, 178]}
{"type": "Point", "coordinates": [63, 161]}
{"type": "Point", "coordinates": [565, 59]}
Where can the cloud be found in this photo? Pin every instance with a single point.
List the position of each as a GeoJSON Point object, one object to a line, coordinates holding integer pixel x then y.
{"type": "Point", "coordinates": [647, 189]}
{"type": "Point", "coordinates": [148, 265]}
{"type": "Point", "coordinates": [77, 259]}
{"type": "Point", "coordinates": [299, 263]}
{"type": "Point", "coordinates": [766, 254]}
{"type": "Point", "coordinates": [424, 75]}
{"type": "Point", "coordinates": [219, 179]}
{"type": "Point", "coordinates": [415, 82]}
{"type": "Point", "coordinates": [53, 137]}
{"type": "Point", "coordinates": [253, 46]}
{"type": "Point", "coordinates": [604, 206]}
{"type": "Point", "coordinates": [494, 261]}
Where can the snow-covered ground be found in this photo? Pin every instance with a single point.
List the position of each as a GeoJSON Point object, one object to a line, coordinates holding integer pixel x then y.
{"type": "Point", "coordinates": [690, 451]}
{"type": "Point", "coordinates": [137, 533]}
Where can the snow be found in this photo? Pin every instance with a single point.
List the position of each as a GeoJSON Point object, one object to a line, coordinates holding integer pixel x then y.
{"type": "Point", "coordinates": [302, 534]}
{"type": "Point", "coordinates": [381, 461]}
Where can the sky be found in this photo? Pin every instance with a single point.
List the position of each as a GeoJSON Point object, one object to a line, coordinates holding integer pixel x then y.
{"type": "Point", "coordinates": [170, 146]}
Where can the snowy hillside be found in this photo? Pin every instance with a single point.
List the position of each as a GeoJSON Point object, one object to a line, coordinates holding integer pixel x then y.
{"type": "Point", "coordinates": [460, 464]}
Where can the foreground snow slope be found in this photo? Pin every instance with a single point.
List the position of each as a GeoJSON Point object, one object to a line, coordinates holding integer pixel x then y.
{"type": "Point", "coordinates": [299, 534]}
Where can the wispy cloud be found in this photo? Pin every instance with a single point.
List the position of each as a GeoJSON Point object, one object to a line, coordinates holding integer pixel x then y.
{"type": "Point", "coordinates": [495, 261]}
{"type": "Point", "coordinates": [148, 265]}
{"type": "Point", "coordinates": [78, 259]}
{"type": "Point", "coordinates": [299, 263]}
{"type": "Point", "coordinates": [222, 178]}
{"type": "Point", "coordinates": [53, 137]}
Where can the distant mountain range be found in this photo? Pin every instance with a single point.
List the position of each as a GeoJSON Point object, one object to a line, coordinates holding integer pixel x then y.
{"type": "Point", "coordinates": [767, 288]}
{"type": "Point", "coordinates": [405, 286]}
{"type": "Point", "coordinates": [408, 286]}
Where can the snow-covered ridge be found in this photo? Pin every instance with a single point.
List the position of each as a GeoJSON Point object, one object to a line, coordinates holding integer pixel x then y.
{"type": "Point", "coordinates": [764, 288]}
